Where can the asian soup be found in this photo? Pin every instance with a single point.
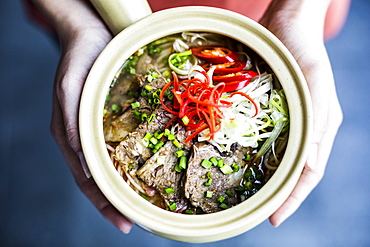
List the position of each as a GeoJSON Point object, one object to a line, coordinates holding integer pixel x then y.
{"type": "Point", "coordinates": [196, 122]}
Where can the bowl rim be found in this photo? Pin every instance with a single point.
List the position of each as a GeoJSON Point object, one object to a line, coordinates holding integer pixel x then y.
{"type": "Point", "coordinates": [208, 227]}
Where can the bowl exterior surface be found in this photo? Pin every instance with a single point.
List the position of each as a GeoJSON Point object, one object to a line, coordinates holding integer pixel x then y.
{"type": "Point", "coordinates": [215, 226]}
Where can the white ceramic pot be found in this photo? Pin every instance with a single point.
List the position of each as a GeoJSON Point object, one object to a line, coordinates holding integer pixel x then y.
{"type": "Point", "coordinates": [207, 227]}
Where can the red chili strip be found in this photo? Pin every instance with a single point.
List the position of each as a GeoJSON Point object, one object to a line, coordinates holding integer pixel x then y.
{"type": "Point", "coordinates": [249, 98]}
{"type": "Point", "coordinates": [214, 54]}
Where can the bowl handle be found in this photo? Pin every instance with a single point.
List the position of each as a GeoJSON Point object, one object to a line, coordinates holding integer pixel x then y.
{"type": "Point", "coordinates": [119, 14]}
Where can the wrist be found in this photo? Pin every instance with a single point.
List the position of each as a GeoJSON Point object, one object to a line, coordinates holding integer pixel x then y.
{"type": "Point", "coordinates": [70, 17]}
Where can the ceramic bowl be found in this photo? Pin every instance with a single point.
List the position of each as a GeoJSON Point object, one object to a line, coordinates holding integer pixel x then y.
{"type": "Point", "coordinates": [207, 227]}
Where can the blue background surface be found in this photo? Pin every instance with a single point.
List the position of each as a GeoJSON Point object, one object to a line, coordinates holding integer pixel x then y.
{"type": "Point", "coordinates": [40, 204]}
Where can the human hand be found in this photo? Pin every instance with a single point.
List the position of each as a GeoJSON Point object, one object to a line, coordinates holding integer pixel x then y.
{"type": "Point", "coordinates": [82, 36]}
{"type": "Point", "coordinates": [299, 25]}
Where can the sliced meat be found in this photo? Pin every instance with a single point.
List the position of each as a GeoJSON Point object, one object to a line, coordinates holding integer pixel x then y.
{"type": "Point", "coordinates": [196, 176]}
{"type": "Point", "coordinates": [158, 172]}
{"type": "Point", "coordinates": [158, 83]}
{"type": "Point", "coordinates": [181, 134]}
{"type": "Point", "coordinates": [144, 63]}
{"type": "Point", "coordinates": [117, 129]}
{"type": "Point", "coordinates": [132, 151]}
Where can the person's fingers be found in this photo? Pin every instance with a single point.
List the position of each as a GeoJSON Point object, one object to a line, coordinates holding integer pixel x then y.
{"type": "Point", "coordinates": [87, 185]}
{"type": "Point", "coordinates": [311, 177]}
{"type": "Point", "coordinates": [76, 61]}
{"type": "Point", "coordinates": [59, 133]}
{"type": "Point", "coordinates": [307, 182]}
{"type": "Point", "coordinates": [320, 83]}
{"type": "Point", "coordinates": [91, 190]}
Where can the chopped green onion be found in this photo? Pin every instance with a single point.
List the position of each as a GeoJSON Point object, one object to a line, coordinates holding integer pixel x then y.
{"type": "Point", "coordinates": [224, 206]}
{"type": "Point", "coordinates": [137, 114]}
{"type": "Point", "coordinates": [130, 166]}
{"type": "Point", "coordinates": [178, 61]}
{"type": "Point", "coordinates": [239, 189]}
{"type": "Point", "coordinates": [171, 137]}
{"type": "Point", "coordinates": [247, 157]}
{"type": "Point", "coordinates": [179, 153]}
{"type": "Point", "coordinates": [249, 185]}
{"type": "Point", "coordinates": [135, 104]}
{"type": "Point", "coordinates": [151, 118]}
{"type": "Point", "coordinates": [220, 162]}
{"type": "Point", "coordinates": [115, 108]}
{"type": "Point", "coordinates": [148, 87]}
{"type": "Point", "coordinates": [170, 96]}
{"type": "Point", "coordinates": [144, 117]}
{"type": "Point", "coordinates": [185, 120]}
{"type": "Point", "coordinates": [167, 132]}
{"type": "Point", "coordinates": [206, 164]}
{"type": "Point", "coordinates": [177, 168]}
{"type": "Point", "coordinates": [229, 193]}
{"type": "Point", "coordinates": [249, 173]}
{"type": "Point", "coordinates": [221, 199]}
{"type": "Point", "coordinates": [235, 167]}
{"type": "Point", "coordinates": [159, 145]}
{"type": "Point", "coordinates": [132, 70]}
{"type": "Point", "coordinates": [226, 169]}
{"type": "Point", "coordinates": [166, 73]}
{"type": "Point", "coordinates": [147, 136]}
{"type": "Point", "coordinates": [156, 94]}
{"type": "Point", "coordinates": [209, 175]}
{"type": "Point", "coordinates": [189, 211]}
{"type": "Point", "coordinates": [209, 182]}
{"type": "Point", "coordinates": [209, 194]}
{"type": "Point", "coordinates": [176, 143]}
{"type": "Point", "coordinates": [153, 140]}
{"type": "Point", "coordinates": [214, 161]}
{"type": "Point", "coordinates": [158, 134]}
{"type": "Point", "coordinates": [169, 190]}
{"type": "Point", "coordinates": [173, 206]}
{"type": "Point", "coordinates": [183, 162]}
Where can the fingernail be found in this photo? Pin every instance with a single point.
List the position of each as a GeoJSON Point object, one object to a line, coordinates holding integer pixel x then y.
{"type": "Point", "coordinates": [84, 166]}
{"type": "Point", "coordinates": [312, 156]}
{"type": "Point", "coordinates": [275, 223]}
{"type": "Point", "coordinates": [126, 227]}
{"type": "Point", "coordinates": [278, 223]}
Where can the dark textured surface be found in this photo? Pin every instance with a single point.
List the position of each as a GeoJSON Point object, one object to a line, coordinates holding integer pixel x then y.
{"type": "Point", "coordinates": [40, 204]}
